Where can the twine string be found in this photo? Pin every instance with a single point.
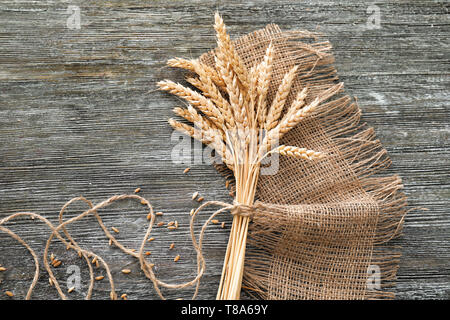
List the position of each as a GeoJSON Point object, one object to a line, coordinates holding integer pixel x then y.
{"type": "Point", "coordinates": [146, 267]}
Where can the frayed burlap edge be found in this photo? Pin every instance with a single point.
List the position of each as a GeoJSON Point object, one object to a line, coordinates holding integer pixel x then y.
{"type": "Point", "coordinates": [361, 156]}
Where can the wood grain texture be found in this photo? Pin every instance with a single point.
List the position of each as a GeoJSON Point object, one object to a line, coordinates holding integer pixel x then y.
{"type": "Point", "coordinates": [80, 115]}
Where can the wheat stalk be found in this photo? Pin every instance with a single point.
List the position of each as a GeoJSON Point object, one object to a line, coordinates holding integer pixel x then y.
{"type": "Point", "coordinates": [230, 113]}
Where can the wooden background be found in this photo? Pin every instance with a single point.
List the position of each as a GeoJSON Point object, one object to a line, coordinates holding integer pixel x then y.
{"type": "Point", "coordinates": [80, 115]}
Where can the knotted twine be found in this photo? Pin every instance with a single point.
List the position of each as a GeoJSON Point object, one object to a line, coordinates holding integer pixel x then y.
{"type": "Point", "coordinates": [145, 266]}
{"type": "Point", "coordinates": [317, 227]}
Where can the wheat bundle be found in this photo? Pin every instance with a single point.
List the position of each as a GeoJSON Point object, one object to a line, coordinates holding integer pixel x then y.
{"type": "Point", "coordinates": [231, 114]}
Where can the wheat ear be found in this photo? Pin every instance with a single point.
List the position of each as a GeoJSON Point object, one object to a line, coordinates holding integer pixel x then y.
{"type": "Point", "coordinates": [279, 101]}
{"type": "Point", "coordinates": [264, 71]}
{"type": "Point", "coordinates": [229, 51]}
{"type": "Point", "coordinates": [190, 65]}
{"type": "Point", "coordinates": [300, 153]}
{"type": "Point", "coordinates": [209, 89]}
{"type": "Point", "coordinates": [209, 137]}
{"type": "Point", "coordinates": [196, 99]}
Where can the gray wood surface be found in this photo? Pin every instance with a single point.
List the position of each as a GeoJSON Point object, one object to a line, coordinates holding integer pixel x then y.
{"type": "Point", "coordinates": [79, 115]}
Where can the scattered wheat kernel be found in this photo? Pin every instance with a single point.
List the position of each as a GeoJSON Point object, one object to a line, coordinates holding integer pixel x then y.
{"type": "Point", "coordinates": [57, 263]}
{"type": "Point", "coordinates": [171, 227]}
{"type": "Point", "coordinates": [179, 298]}
{"type": "Point", "coordinates": [195, 195]}
{"type": "Point", "coordinates": [160, 224]}
{"type": "Point", "coordinates": [99, 278]}
{"type": "Point", "coordinates": [71, 289]}
{"type": "Point", "coordinates": [172, 245]}
{"type": "Point", "coordinates": [143, 202]}
{"type": "Point", "coordinates": [2, 269]}
{"type": "Point", "coordinates": [126, 271]}
{"type": "Point", "coordinates": [124, 296]}
{"type": "Point", "coordinates": [223, 225]}
{"type": "Point", "coordinates": [176, 224]}
{"type": "Point", "coordinates": [200, 199]}
{"type": "Point", "coordinates": [52, 257]}
{"type": "Point", "coordinates": [186, 170]}
{"type": "Point", "coordinates": [215, 221]}
{"type": "Point", "coordinates": [148, 253]}
{"type": "Point", "coordinates": [137, 190]}
{"type": "Point", "coordinates": [151, 239]}
{"type": "Point", "coordinates": [176, 258]}
{"type": "Point", "coordinates": [159, 213]}
{"type": "Point", "coordinates": [9, 294]}
{"type": "Point", "coordinates": [110, 242]}
{"type": "Point", "coordinates": [171, 223]}
{"type": "Point", "coordinates": [149, 216]}
{"type": "Point", "coordinates": [192, 212]}
{"type": "Point", "coordinates": [94, 260]}
{"type": "Point", "coordinates": [97, 264]}
{"type": "Point", "coordinates": [50, 281]}
{"type": "Point", "coordinates": [115, 229]}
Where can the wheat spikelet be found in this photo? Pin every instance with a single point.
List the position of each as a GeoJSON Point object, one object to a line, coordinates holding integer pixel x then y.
{"type": "Point", "coordinates": [234, 92]}
{"type": "Point", "coordinates": [227, 49]}
{"type": "Point", "coordinates": [181, 63]}
{"type": "Point", "coordinates": [300, 153]}
{"type": "Point", "coordinates": [279, 101]}
{"type": "Point", "coordinates": [190, 65]}
{"type": "Point", "coordinates": [297, 112]}
{"type": "Point", "coordinates": [191, 115]}
{"type": "Point", "coordinates": [196, 99]}
{"type": "Point", "coordinates": [209, 89]}
{"type": "Point", "coordinates": [209, 137]}
{"type": "Point", "coordinates": [264, 71]}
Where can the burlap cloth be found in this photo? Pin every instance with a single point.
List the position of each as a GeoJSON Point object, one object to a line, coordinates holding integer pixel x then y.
{"type": "Point", "coordinates": [320, 229]}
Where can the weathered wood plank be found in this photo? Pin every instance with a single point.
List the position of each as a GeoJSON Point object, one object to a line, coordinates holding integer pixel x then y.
{"type": "Point", "coordinates": [79, 114]}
